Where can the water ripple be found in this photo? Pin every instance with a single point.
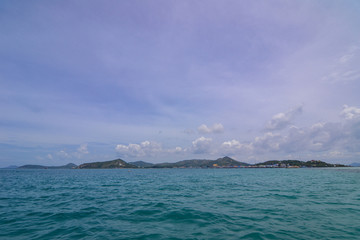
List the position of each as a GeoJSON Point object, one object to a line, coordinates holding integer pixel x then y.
{"type": "Point", "coordinates": [180, 204]}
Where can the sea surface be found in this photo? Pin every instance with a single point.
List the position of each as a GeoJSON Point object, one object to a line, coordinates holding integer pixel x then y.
{"type": "Point", "coordinates": [180, 204]}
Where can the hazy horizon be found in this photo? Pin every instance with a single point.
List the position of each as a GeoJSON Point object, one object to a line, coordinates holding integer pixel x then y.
{"type": "Point", "coordinates": [157, 81]}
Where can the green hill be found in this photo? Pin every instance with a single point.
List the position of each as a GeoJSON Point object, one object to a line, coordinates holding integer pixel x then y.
{"type": "Point", "coordinates": [297, 163]}
{"type": "Point", "coordinates": [228, 162]}
{"type": "Point", "coordinates": [202, 163]}
{"type": "Point", "coordinates": [67, 166]}
{"type": "Point", "coordinates": [193, 163]}
{"type": "Point", "coordinates": [142, 164]}
{"type": "Point", "coordinates": [117, 163]}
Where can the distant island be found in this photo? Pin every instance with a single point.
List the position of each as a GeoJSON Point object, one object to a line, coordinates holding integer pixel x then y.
{"type": "Point", "coordinates": [117, 163]}
{"type": "Point", "coordinates": [355, 164]}
{"type": "Point", "coordinates": [67, 166]}
{"type": "Point", "coordinates": [224, 162]}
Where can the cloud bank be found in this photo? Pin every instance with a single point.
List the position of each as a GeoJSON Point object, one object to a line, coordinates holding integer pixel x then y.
{"type": "Point", "coordinates": [201, 145]}
{"type": "Point", "coordinates": [283, 120]}
{"type": "Point", "coordinates": [329, 140]}
{"type": "Point", "coordinates": [143, 149]}
{"type": "Point", "coordinates": [216, 128]}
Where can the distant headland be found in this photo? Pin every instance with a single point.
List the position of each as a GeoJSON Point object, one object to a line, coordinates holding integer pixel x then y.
{"type": "Point", "coordinates": [224, 162]}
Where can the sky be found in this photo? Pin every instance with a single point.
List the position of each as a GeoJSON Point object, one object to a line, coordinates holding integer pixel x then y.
{"type": "Point", "coordinates": [163, 81]}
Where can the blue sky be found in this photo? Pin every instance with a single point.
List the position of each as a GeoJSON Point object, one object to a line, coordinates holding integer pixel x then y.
{"type": "Point", "coordinates": [159, 81]}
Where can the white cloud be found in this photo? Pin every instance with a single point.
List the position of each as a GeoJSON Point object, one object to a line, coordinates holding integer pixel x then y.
{"type": "Point", "coordinates": [216, 128]}
{"type": "Point", "coordinates": [349, 55]}
{"type": "Point", "coordinates": [268, 142]}
{"type": "Point", "coordinates": [345, 58]}
{"type": "Point", "coordinates": [204, 129]}
{"type": "Point", "coordinates": [63, 154]}
{"type": "Point", "coordinates": [201, 145]}
{"type": "Point", "coordinates": [83, 149]}
{"type": "Point", "coordinates": [232, 144]}
{"type": "Point", "coordinates": [319, 137]}
{"type": "Point", "coordinates": [143, 149]}
{"type": "Point", "coordinates": [174, 150]}
{"type": "Point", "coordinates": [346, 68]}
{"type": "Point", "coordinates": [235, 147]}
{"type": "Point", "coordinates": [343, 76]}
{"type": "Point", "coordinates": [322, 139]}
{"type": "Point", "coordinates": [350, 113]}
{"type": "Point", "coordinates": [69, 154]}
{"type": "Point", "coordinates": [295, 140]}
{"type": "Point", "coordinates": [282, 120]}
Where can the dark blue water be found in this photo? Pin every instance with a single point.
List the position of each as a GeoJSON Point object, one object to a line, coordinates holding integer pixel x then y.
{"type": "Point", "coordinates": [180, 204]}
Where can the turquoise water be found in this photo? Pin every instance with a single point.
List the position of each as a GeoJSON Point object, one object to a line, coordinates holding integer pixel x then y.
{"type": "Point", "coordinates": [180, 204]}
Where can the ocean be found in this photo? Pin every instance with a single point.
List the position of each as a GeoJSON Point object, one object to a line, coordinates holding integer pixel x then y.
{"type": "Point", "coordinates": [217, 204]}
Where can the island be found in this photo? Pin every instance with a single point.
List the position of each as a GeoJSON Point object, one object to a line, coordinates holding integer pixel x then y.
{"type": "Point", "coordinates": [117, 163]}
{"type": "Point", "coordinates": [31, 166]}
{"type": "Point", "coordinates": [224, 162]}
